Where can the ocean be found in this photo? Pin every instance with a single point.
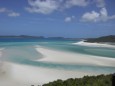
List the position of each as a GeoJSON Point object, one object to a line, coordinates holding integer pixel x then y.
{"type": "Point", "coordinates": [22, 51]}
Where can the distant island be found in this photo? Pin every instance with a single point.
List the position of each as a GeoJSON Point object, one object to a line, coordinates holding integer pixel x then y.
{"type": "Point", "coordinates": [110, 38]}
{"type": "Point", "coordinates": [38, 37]}
{"type": "Point", "coordinates": [21, 36]}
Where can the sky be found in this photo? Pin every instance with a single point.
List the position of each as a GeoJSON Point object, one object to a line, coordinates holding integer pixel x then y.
{"type": "Point", "coordinates": [57, 18]}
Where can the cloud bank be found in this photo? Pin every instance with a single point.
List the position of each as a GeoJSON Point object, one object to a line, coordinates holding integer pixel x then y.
{"type": "Point", "coordinates": [50, 6]}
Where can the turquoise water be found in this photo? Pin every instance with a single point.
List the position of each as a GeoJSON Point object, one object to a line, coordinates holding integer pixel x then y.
{"type": "Point", "coordinates": [22, 51]}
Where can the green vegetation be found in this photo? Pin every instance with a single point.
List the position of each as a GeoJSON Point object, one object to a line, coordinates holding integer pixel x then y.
{"type": "Point", "coordinates": [110, 38]}
{"type": "Point", "coordinates": [100, 80]}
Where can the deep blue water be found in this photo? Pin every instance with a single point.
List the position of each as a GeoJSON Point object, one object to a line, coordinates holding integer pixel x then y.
{"type": "Point", "coordinates": [22, 51]}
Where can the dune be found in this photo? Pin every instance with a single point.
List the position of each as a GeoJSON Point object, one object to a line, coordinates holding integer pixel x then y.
{"type": "Point", "coordinates": [63, 57]}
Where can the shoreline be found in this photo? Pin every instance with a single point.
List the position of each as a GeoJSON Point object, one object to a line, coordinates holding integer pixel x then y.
{"type": "Point", "coordinates": [95, 44]}
{"type": "Point", "coordinates": [56, 56]}
{"type": "Point", "coordinates": [25, 75]}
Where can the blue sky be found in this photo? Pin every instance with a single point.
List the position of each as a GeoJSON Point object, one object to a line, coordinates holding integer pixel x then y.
{"type": "Point", "coordinates": [67, 18]}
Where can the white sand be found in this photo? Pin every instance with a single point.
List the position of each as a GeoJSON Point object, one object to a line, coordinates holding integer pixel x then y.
{"type": "Point", "coordinates": [23, 75]}
{"type": "Point", "coordinates": [73, 58]}
{"type": "Point", "coordinates": [82, 43]}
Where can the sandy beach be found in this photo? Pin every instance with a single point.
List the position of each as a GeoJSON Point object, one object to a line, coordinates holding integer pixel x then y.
{"type": "Point", "coordinates": [56, 56]}
{"type": "Point", "coordinates": [22, 75]}
{"type": "Point", "coordinates": [12, 74]}
{"type": "Point", "coordinates": [82, 43]}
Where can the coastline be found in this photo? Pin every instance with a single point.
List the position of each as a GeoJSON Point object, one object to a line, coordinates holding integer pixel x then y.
{"type": "Point", "coordinates": [83, 43]}
{"type": "Point", "coordinates": [26, 75]}
{"type": "Point", "coordinates": [23, 75]}
{"type": "Point", "coordinates": [56, 56]}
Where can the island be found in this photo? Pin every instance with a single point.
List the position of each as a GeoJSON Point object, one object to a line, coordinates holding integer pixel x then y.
{"type": "Point", "coordinates": [38, 37]}
{"type": "Point", "coordinates": [21, 36]}
{"type": "Point", "coordinates": [110, 38]}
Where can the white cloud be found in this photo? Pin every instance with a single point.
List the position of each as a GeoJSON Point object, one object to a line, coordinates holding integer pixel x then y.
{"type": "Point", "coordinates": [97, 16]}
{"type": "Point", "coordinates": [43, 6]}
{"type": "Point", "coordinates": [103, 14]}
{"type": "Point", "coordinates": [112, 17]}
{"type": "Point", "coordinates": [13, 14]}
{"type": "Point", "coordinates": [2, 10]}
{"type": "Point", "coordinates": [90, 16]}
{"type": "Point", "coordinates": [70, 3]}
{"type": "Point", "coordinates": [9, 12]}
{"type": "Point", "coordinates": [69, 19]}
{"type": "Point", "coordinates": [49, 6]}
{"type": "Point", "coordinates": [100, 3]}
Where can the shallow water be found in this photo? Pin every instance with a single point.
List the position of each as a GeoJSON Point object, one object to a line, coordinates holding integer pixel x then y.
{"type": "Point", "coordinates": [22, 51]}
